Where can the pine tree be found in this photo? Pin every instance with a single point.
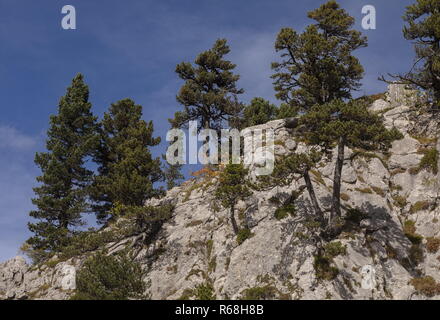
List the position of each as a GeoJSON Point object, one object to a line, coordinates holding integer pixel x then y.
{"type": "Point", "coordinates": [127, 170]}
{"type": "Point", "coordinates": [107, 277]}
{"type": "Point", "coordinates": [172, 174]}
{"type": "Point", "coordinates": [423, 27]}
{"type": "Point", "coordinates": [259, 111]}
{"type": "Point", "coordinates": [209, 94]}
{"type": "Point", "coordinates": [232, 188]}
{"type": "Point", "coordinates": [349, 125]}
{"type": "Point", "coordinates": [318, 65]}
{"type": "Point", "coordinates": [62, 195]}
{"type": "Point", "coordinates": [287, 111]}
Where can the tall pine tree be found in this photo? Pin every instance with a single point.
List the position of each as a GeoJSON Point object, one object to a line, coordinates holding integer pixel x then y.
{"type": "Point", "coordinates": [209, 94]}
{"type": "Point", "coordinates": [62, 195]}
{"type": "Point", "coordinates": [127, 170]}
{"type": "Point", "coordinates": [318, 65]}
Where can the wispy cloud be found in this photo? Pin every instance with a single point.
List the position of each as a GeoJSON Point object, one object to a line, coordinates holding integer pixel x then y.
{"type": "Point", "coordinates": [11, 138]}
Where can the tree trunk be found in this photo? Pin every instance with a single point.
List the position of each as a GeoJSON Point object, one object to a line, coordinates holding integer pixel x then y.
{"type": "Point", "coordinates": [336, 198]}
{"type": "Point", "coordinates": [233, 221]}
{"type": "Point", "coordinates": [312, 194]}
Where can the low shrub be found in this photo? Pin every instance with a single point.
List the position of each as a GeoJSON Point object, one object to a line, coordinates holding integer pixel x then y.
{"type": "Point", "coordinates": [105, 277]}
{"type": "Point", "coordinates": [205, 291]}
{"type": "Point", "coordinates": [267, 292]}
{"type": "Point", "coordinates": [429, 160]}
{"type": "Point", "coordinates": [420, 206]}
{"type": "Point", "coordinates": [243, 235]}
{"type": "Point", "coordinates": [284, 211]}
{"type": "Point", "coordinates": [426, 286]}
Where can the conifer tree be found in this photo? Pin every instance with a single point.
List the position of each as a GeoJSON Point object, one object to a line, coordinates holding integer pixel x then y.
{"type": "Point", "coordinates": [423, 27]}
{"type": "Point", "coordinates": [259, 111]}
{"type": "Point", "coordinates": [127, 170]}
{"type": "Point", "coordinates": [62, 195]}
{"type": "Point", "coordinates": [317, 65]}
{"type": "Point", "coordinates": [172, 174]}
{"type": "Point", "coordinates": [287, 111]}
{"type": "Point", "coordinates": [232, 188]}
{"type": "Point", "coordinates": [110, 277]}
{"type": "Point", "coordinates": [209, 94]}
{"type": "Point", "coordinates": [345, 125]}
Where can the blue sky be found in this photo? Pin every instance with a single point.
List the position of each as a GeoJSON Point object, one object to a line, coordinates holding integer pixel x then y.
{"type": "Point", "coordinates": [130, 49]}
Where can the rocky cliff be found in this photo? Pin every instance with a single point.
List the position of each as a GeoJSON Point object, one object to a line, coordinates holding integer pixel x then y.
{"type": "Point", "coordinates": [389, 239]}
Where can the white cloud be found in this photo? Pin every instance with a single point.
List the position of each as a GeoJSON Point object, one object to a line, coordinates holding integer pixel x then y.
{"type": "Point", "coordinates": [11, 138]}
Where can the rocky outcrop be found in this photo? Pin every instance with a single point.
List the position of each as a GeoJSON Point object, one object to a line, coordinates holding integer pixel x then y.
{"type": "Point", "coordinates": [386, 205]}
{"type": "Point", "coordinates": [48, 281]}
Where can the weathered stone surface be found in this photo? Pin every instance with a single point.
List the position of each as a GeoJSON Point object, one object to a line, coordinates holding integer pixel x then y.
{"type": "Point", "coordinates": [380, 105]}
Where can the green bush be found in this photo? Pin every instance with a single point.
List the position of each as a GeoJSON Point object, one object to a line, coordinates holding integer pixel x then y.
{"type": "Point", "coordinates": [420, 206]}
{"type": "Point", "coordinates": [205, 291]}
{"type": "Point", "coordinates": [324, 269]}
{"type": "Point", "coordinates": [244, 234]}
{"type": "Point", "coordinates": [284, 211]}
{"type": "Point", "coordinates": [429, 160]}
{"type": "Point", "coordinates": [104, 277]}
{"type": "Point", "coordinates": [323, 263]}
{"type": "Point", "coordinates": [334, 249]}
{"type": "Point", "coordinates": [267, 292]}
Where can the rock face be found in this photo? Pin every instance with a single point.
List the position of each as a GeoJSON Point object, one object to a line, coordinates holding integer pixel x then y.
{"type": "Point", "coordinates": [20, 281]}
{"type": "Point", "coordinates": [197, 244]}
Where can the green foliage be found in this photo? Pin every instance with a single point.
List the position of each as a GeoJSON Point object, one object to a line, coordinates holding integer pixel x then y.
{"type": "Point", "coordinates": [209, 93]}
{"type": "Point", "coordinates": [172, 174]}
{"type": "Point", "coordinates": [334, 249]}
{"type": "Point", "coordinates": [205, 291]}
{"type": "Point", "coordinates": [258, 112]}
{"type": "Point", "coordinates": [324, 269]}
{"type": "Point", "coordinates": [287, 111]}
{"type": "Point", "coordinates": [318, 66]}
{"type": "Point", "coordinates": [420, 206]}
{"type": "Point", "coordinates": [104, 277]}
{"type": "Point", "coordinates": [61, 196]}
{"type": "Point", "coordinates": [127, 170]}
{"type": "Point", "coordinates": [243, 235]}
{"type": "Point", "coordinates": [284, 211]}
{"type": "Point", "coordinates": [426, 286]}
{"type": "Point", "coordinates": [323, 263]}
{"type": "Point", "coordinates": [352, 122]}
{"type": "Point", "coordinates": [429, 161]}
{"type": "Point", "coordinates": [232, 187]}
{"type": "Point", "coordinates": [345, 125]}
{"type": "Point", "coordinates": [138, 220]}
{"type": "Point", "coordinates": [422, 28]}
{"type": "Point", "coordinates": [296, 163]}
{"type": "Point", "coordinates": [267, 292]}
